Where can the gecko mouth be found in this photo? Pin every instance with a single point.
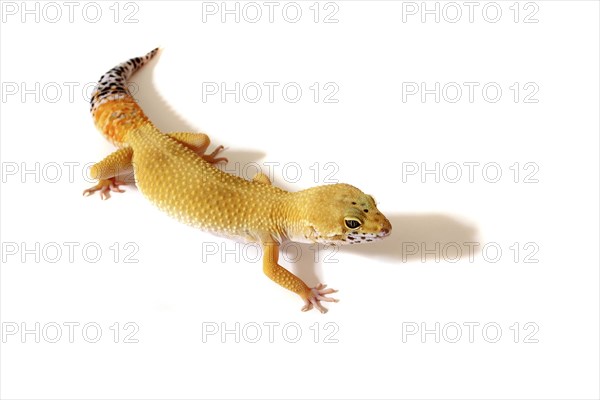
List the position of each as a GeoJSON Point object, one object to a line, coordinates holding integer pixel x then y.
{"type": "Point", "coordinates": [362, 238]}
{"type": "Point", "coordinates": [357, 237]}
{"type": "Point", "coordinates": [384, 233]}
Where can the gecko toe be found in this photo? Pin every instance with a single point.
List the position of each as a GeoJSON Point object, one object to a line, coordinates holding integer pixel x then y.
{"type": "Point", "coordinates": [316, 296]}
{"type": "Point", "coordinates": [105, 186]}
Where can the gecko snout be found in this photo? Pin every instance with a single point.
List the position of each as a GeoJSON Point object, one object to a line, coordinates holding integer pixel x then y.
{"type": "Point", "coordinates": [386, 228]}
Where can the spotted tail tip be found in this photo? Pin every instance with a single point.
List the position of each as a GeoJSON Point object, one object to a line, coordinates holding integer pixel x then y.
{"type": "Point", "coordinates": [153, 52]}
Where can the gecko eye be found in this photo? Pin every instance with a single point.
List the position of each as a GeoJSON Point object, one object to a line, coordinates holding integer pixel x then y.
{"type": "Point", "coordinates": [352, 223]}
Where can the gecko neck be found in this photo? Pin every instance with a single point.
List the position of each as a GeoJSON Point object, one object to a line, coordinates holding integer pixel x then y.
{"type": "Point", "coordinates": [295, 225]}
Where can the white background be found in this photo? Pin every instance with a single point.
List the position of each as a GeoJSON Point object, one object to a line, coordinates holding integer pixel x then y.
{"type": "Point", "coordinates": [370, 135]}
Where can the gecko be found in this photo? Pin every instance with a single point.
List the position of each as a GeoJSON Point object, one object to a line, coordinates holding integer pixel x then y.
{"type": "Point", "coordinates": [174, 171]}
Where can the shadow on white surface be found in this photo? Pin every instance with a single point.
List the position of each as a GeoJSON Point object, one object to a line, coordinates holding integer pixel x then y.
{"type": "Point", "coordinates": [414, 238]}
{"type": "Point", "coordinates": [154, 105]}
{"type": "Point", "coordinates": [167, 119]}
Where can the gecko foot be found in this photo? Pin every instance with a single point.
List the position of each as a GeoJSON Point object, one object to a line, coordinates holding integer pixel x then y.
{"type": "Point", "coordinates": [211, 158]}
{"type": "Point", "coordinates": [105, 186]}
{"type": "Point", "coordinates": [316, 296]}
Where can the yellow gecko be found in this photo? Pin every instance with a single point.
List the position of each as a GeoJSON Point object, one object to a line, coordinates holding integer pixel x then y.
{"type": "Point", "coordinates": [174, 173]}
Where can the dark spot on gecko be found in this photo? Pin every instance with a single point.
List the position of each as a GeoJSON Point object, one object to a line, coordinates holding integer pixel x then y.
{"type": "Point", "coordinates": [353, 203]}
{"type": "Point", "coordinates": [369, 240]}
{"type": "Point", "coordinates": [362, 238]}
{"type": "Point", "coordinates": [365, 210]}
{"type": "Point", "coordinates": [351, 237]}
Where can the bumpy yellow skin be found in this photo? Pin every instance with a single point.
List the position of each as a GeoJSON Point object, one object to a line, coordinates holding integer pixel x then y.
{"type": "Point", "coordinates": [195, 192]}
{"type": "Point", "coordinates": [172, 171]}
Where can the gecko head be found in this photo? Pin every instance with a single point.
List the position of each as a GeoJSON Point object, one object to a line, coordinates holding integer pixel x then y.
{"type": "Point", "coordinates": [341, 214]}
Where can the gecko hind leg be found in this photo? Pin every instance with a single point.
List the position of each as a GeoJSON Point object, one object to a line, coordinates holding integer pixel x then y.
{"type": "Point", "coordinates": [261, 178]}
{"type": "Point", "coordinates": [107, 170]}
{"type": "Point", "coordinates": [199, 142]}
{"type": "Point", "coordinates": [105, 186]}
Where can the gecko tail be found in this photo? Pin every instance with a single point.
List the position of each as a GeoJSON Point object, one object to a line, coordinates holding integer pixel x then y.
{"type": "Point", "coordinates": [114, 110]}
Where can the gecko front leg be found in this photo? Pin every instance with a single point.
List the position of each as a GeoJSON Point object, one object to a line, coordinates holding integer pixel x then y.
{"type": "Point", "coordinates": [312, 296]}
